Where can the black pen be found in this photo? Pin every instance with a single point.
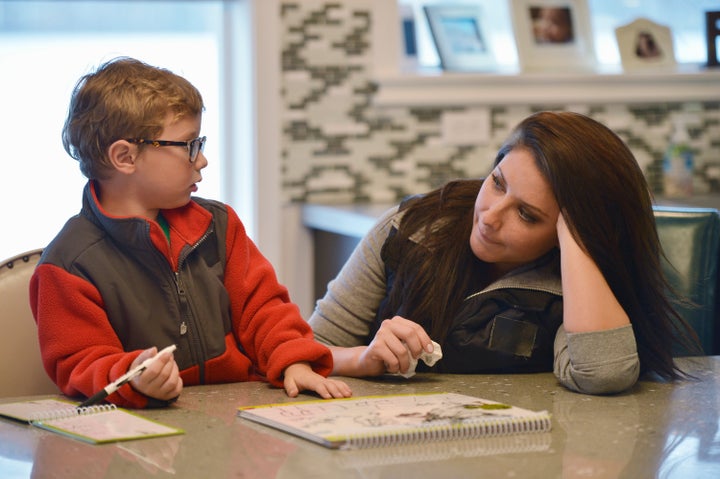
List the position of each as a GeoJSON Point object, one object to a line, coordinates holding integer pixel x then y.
{"type": "Point", "coordinates": [125, 378]}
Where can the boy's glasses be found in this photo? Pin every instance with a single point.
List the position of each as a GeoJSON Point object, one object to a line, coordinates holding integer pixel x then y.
{"type": "Point", "coordinates": [193, 146]}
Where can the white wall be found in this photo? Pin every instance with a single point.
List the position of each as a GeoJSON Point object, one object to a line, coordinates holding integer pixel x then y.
{"type": "Point", "coordinates": [281, 236]}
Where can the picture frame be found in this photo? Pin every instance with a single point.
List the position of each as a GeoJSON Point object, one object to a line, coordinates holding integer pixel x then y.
{"type": "Point", "coordinates": [712, 37]}
{"type": "Point", "coordinates": [408, 38]}
{"type": "Point", "coordinates": [460, 37]}
{"type": "Point", "coordinates": [644, 44]}
{"type": "Point", "coordinates": [553, 35]}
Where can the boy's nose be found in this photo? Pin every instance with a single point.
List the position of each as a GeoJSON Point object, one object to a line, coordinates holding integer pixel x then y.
{"type": "Point", "coordinates": [201, 161]}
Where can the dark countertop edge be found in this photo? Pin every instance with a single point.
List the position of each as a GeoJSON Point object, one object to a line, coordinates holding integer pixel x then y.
{"type": "Point", "coordinates": [356, 219]}
{"type": "Point", "coordinates": [353, 220]}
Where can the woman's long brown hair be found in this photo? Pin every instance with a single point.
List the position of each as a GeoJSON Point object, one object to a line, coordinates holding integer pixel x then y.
{"type": "Point", "coordinates": [605, 199]}
{"type": "Point", "coordinates": [434, 276]}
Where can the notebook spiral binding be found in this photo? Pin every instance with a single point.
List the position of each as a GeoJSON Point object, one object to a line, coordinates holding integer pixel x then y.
{"type": "Point", "coordinates": [450, 431]}
{"type": "Point", "coordinates": [437, 451]}
{"type": "Point", "coordinates": [71, 412]}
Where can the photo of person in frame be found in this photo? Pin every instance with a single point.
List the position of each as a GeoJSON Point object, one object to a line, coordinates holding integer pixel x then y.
{"type": "Point", "coordinates": [552, 25]}
{"type": "Point", "coordinates": [646, 47]}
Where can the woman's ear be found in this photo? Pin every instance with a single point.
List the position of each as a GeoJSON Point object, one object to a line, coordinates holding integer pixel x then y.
{"type": "Point", "coordinates": [122, 155]}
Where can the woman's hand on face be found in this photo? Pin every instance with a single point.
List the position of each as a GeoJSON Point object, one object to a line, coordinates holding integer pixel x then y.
{"type": "Point", "coordinates": [563, 232]}
{"type": "Point", "coordinates": [561, 226]}
{"type": "Point", "coordinates": [388, 351]}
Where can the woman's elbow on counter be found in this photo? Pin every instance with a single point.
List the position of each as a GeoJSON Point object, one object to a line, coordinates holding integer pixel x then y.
{"type": "Point", "coordinates": [607, 378]}
{"type": "Point", "coordinates": [601, 362]}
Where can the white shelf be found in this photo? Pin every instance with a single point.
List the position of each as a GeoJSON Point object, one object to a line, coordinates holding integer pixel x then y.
{"type": "Point", "coordinates": [397, 88]}
{"type": "Point", "coordinates": [689, 84]}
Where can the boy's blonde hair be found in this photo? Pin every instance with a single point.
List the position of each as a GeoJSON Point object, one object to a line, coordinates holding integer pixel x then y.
{"type": "Point", "coordinates": [123, 98]}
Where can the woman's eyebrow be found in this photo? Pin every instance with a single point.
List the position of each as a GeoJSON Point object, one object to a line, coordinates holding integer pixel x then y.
{"type": "Point", "coordinates": [537, 211]}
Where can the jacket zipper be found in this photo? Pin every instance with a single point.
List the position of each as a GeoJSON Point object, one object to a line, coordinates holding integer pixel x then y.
{"type": "Point", "coordinates": [187, 319]}
{"type": "Point", "coordinates": [491, 288]}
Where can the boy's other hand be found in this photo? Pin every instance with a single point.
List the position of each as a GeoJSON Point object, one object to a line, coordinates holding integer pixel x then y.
{"type": "Point", "coordinates": [301, 377]}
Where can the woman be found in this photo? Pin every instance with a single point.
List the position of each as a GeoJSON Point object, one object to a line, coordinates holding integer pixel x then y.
{"type": "Point", "coordinates": [551, 263]}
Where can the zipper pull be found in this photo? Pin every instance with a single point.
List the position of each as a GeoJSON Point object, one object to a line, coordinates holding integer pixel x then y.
{"type": "Point", "coordinates": [178, 283]}
{"type": "Point", "coordinates": [183, 328]}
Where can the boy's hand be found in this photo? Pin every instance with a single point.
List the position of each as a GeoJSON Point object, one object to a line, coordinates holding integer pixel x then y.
{"type": "Point", "coordinates": [301, 377]}
{"type": "Point", "coordinates": [161, 380]}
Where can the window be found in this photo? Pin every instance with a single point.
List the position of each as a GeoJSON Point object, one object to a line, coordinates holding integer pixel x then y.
{"type": "Point", "coordinates": [685, 19]}
{"type": "Point", "coordinates": [45, 47]}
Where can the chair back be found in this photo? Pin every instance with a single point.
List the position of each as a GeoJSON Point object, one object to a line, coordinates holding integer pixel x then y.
{"type": "Point", "coordinates": [690, 238]}
{"type": "Point", "coordinates": [21, 369]}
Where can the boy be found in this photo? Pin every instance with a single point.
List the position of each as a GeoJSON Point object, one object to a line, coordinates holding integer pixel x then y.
{"type": "Point", "coordinates": [144, 265]}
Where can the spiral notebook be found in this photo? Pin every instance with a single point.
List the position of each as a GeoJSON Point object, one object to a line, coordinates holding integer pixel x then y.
{"type": "Point", "coordinates": [375, 421]}
{"type": "Point", "coordinates": [94, 424]}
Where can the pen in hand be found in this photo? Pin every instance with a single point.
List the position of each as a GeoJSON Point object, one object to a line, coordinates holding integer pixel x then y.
{"type": "Point", "coordinates": [125, 378]}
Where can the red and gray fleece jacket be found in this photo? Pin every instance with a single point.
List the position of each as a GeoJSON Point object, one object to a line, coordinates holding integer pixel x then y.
{"type": "Point", "coordinates": [108, 287]}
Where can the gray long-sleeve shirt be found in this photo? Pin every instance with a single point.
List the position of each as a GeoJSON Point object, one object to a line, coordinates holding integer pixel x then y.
{"type": "Point", "coordinates": [598, 362]}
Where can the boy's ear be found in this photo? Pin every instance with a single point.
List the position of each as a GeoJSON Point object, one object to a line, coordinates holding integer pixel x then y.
{"type": "Point", "coordinates": [122, 155]}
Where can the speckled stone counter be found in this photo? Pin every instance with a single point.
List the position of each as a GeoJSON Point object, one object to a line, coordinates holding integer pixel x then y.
{"type": "Point", "coordinates": [654, 430]}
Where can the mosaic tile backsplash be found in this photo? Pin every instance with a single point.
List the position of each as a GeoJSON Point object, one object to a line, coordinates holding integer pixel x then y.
{"type": "Point", "coordinates": [337, 147]}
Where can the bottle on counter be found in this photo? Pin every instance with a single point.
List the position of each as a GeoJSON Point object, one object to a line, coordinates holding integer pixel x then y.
{"type": "Point", "coordinates": [678, 164]}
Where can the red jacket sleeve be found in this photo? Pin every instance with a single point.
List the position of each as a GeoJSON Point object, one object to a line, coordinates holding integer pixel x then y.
{"type": "Point", "coordinates": [269, 327]}
{"type": "Point", "coordinates": [79, 348]}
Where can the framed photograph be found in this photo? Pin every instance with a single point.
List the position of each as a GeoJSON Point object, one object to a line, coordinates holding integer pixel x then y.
{"type": "Point", "coordinates": [712, 36]}
{"type": "Point", "coordinates": [460, 38]}
{"type": "Point", "coordinates": [645, 44]}
{"type": "Point", "coordinates": [553, 35]}
{"type": "Point", "coordinates": [409, 38]}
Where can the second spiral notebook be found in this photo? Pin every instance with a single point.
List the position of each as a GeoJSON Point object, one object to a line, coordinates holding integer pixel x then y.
{"type": "Point", "coordinates": [94, 424]}
{"type": "Point", "coordinates": [374, 421]}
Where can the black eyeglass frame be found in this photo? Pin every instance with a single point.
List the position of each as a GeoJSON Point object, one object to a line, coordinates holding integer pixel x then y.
{"type": "Point", "coordinates": [190, 145]}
